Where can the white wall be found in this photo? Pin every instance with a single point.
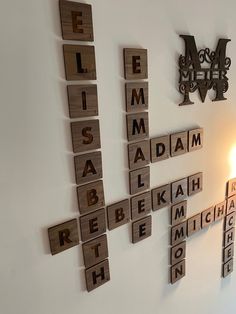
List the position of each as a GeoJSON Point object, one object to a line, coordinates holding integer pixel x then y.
{"type": "Point", "coordinates": [36, 170]}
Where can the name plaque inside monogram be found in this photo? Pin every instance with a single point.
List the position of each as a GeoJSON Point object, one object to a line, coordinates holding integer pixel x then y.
{"type": "Point", "coordinates": [194, 74]}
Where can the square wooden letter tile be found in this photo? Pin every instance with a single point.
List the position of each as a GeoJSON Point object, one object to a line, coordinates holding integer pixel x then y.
{"type": "Point", "coordinates": [229, 221]}
{"type": "Point", "coordinates": [88, 167]}
{"type": "Point", "coordinates": [139, 154]}
{"type": "Point", "coordinates": [178, 253]}
{"type": "Point", "coordinates": [179, 143]}
{"type": "Point", "coordinates": [97, 275]}
{"type": "Point", "coordinates": [118, 214]}
{"type": "Point", "coordinates": [229, 237]}
{"type": "Point", "coordinates": [135, 62]}
{"type": "Point", "coordinates": [63, 236]}
{"type": "Point", "coordinates": [178, 233]}
{"type": "Point", "coordinates": [83, 101]}
{"type": "Point", "coordinates": [208, 217]}
{"type": "Point", "coordinates": [179, 190]}
{"type": "Point", "coordinates": [160, 148]}
{"type": "Point", "coordinates": [177, 272]}
{"type": "Point", "coordinates": [195, 139]}
{"type": "Point", "coordinates": [161, 197]}
{"type": "Point", "coordinates": [231, 204]}
{"type": "Point", "coordinates": [95, 251]}
{"type": "Point", "coordinates": [228, 253]}
{"type": "Point", "coordinates": [76, 21]}
{"type": "Point", "coordinates": [93, 225]}
{"type": "Point", "coordinates": [137, 126]}
{"type": "Point", "coordinates": [194, 184]}
{"type": "Point", "coordinates": [194, 224]}
{"type": "Point", "coordinates": [178, 213]}
{"type": "Point", "coordinates": [228, 268]}
{"type": "Point", "coordinates": [141, 205]}
{"type": "Point", "coordinates": [139, 180]}
{"type": "Point", "coordinates": [220, 210]}
{"type": "Point", "coordinates": [136, 96]}
{"type": "Point", "coordinates": [79, 62]}
{"type": "Point", "coordinates": [141, 229]}
{"type": "Point", "coordinates": [85, 135]}
{"type": "Point", "coordinates": [90, 196]}
{"type": "Point", "coordinates": [231, 187]}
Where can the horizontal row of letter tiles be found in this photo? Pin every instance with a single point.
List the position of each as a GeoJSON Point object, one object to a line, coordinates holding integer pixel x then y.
{"type": "Point", "coordinates": [204, 219]}
{"type": "Point", "coordinates": [92, 227]}
{"type": "Point", "coordinates": [93, 224]}
{"type": "Point", "coordinates": [86, 137]}
{"type": "Point", "coordinates": [91, 196]}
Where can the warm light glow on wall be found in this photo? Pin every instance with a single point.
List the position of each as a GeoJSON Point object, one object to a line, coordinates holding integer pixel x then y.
{"type": "Point", "coordinates": [232, 161]}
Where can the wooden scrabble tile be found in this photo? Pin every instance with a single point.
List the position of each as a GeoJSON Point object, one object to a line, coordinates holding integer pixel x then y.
{"type": "Point", "coordinates": [231, 204]}
{"type": "Point", "coordinates": [220, 210]}
{"type": "Point", "coordinates": [137, 126]}
{"type": "Point", "coordinates": [95, 251]}
{"type": "Point", "coordinates": [139, 154]}
{"type": "Point", "coordinates": [208, 217]}
{"type": "Point", "coordinates": [228, 253]}
{"type": "Point", "coordinates": [90, 196]}
{"type": "Point", "coordinates": [76, 21]}
{"type": "Point", "coordinates": [63, 236]}
{"type": "Point", "coordinates": [85, 135]}
{"type": "Point", "coordinates": [193, 224]}
{"type": "Point", "coordinates": [177, 253]}
{"type": "Point", "coordinates": [160, 148]}
{"type": "Point", "coordinates": [195, 184]}
{"type": "Point", "coordinates": [139, 180]}
{"type": "Point", "coordinates": [178, 143]}
{"type": "Point", "coordinates": [231, 187]}
{"type": "Point", "coordinates": [83, 100]}
{"type": "Point", "coordinates": [136, 96]}
{"type": "Point", "coordinates": [227, 268]}
{"type": "Point", "coordinates": [93, 224]}
{"type": "Point", "coordinates": [88, 167]}
{"type": "Point", "coordinates": [178, 233]}
{"type": "Point", "coordinates": [229, 237]}
{"type": "Point", "coordinates": [229, 221]}
{"type": "Point", "coordinates": [135, 62]}
{"type": "Point", "coordinates": [118, 214]}
{"type": "Point", "coordinates": [161, 197]}
{"type": "Point", "coordinates": [97, 275]}
{"type": "Point", "coordinates": [179, 190]}
{"type": "Point", "coordinates": [195, 139]}
{"type": "Point", "coordinates": [178, 213]}
{"type": "Point", "coordinates": [141, 205]}
{"type": "Point", "coordinates": [177, 272]}
{"type": "Point", "coordinates": [141, 229]}
{"type": "Point", "coordinates": [79, 62]}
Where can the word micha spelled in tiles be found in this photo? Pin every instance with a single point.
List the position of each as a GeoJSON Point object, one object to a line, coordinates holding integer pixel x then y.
{"type": "Point", "coordinates": [97, 218]}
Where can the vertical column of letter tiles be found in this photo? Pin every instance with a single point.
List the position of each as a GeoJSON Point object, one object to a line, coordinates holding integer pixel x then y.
{"type": "Point", "coordinates": [80, 65]}
{"type": "Point", "coordinates": [136, 90]}
{"type": "Point", "coordinates": [229, 229]}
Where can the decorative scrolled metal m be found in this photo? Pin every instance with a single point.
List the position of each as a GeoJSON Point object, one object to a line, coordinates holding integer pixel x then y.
{"type": "Point", "coordinates": [195, 75]}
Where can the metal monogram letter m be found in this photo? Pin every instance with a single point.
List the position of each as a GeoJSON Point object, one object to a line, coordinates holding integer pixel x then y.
{"type": "Point", "coordinates": [194, 76]}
